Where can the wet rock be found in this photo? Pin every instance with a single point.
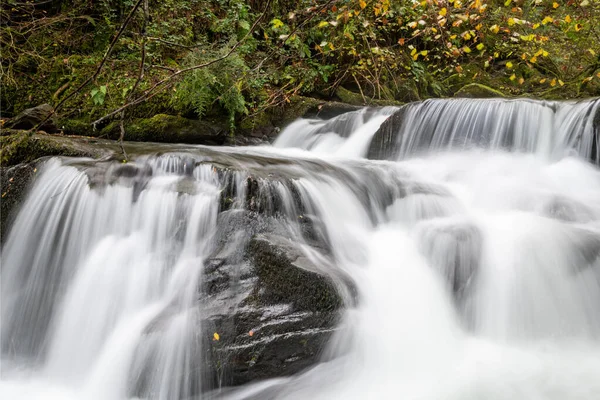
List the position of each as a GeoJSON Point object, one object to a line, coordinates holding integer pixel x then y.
{"type": "Point", "coordinates": [31, 117]}
{"type": "Point", "coordinates": [287, 275]}
{"type": "Point", "coordinates": [454, 249]}
{"type": "Point", "coordinates": [384, 145]}
{"type": "Point", "coordinates": [14, 184]}
{"type": "Point", "coordinates": [478, 91]}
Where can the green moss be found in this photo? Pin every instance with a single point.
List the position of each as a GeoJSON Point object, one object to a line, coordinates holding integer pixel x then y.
{"type": "Point", "coordinates": [357, 99]}
{"type": "Point", "coordinates": [21, 147]}
{"type": "Point", "coordinates": [478, 91]}
{"type": "Point", "coordinates": [77, 127]}
{"type": "Point", "coordinates": [167, 129]}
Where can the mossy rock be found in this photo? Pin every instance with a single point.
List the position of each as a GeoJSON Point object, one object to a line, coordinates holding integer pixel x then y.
{"type": "Point", "coordinates": [357, 99]}
{"type": "Point", "coordinates": [23, 147]}
{"type": "Point", "coordinates": [77, 127]}
{"type": "Point", "coordinates": [166, 129]}
{"type": "Point", "coordinates": [478, 91]}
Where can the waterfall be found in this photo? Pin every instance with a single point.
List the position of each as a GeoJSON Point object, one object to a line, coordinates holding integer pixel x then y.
{"type": "Point", "coordinates": [466, 265]}
{"type": "Point", "coordinates": [548, 128]}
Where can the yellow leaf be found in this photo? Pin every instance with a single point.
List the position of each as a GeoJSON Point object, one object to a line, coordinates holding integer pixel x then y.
{"type": "Point", "coordinates": [494, 28]}
{"type": "Point", "coordinates": [459, 69]}
{"type": "Point", "coordinates": [443, 12]}
{"type": "Point", "coordinates": [415, 57]}
{"type": "Point", "coordinates": [535, 26]}
{"type": "Point", "coordinates": [433, 30]}
{"type": "Point", "coordinates": [511, 21]}
{"type": "Point", "coordinates": [553, 82]}
{"type": "Point", "coordinates": [543, 80]}
{"type": "Point", "coordinates": [512, 77]}
{"type": "Point", "coordinates": [561, 83]}
{"type": "Point", "coordinates": [592, 52]}
{"type": "Point", "coordinates": [480, 46]}
{"type": "Point", "coordinates": [423, 52]}
{"type": "Point", "coordinates": [466, 36]}
{"type": "Point", "coordinates": [413, 52]}
{"type": "Point", "coordinates": [466, 49]}
{"type": "Point", "coordinates": [578, 27]}
{"type": "Point", "coordinates": [322, 24]}
{"type": "Point", "coordinates": [496, 55]}
{"type": "Point", "coordinates": [521, 81]}
{"type": "Point", "coordinates": [507, 3]}
{"type": "Point", "coordinates": [412, 24]}
{"type": "Point", "coordinates": [216, 336]}
{"type": "Point", "coordinates": [452, 37]}
{"type": "Point", "coordinates": [547, 20]}
{"type": "Point", "coordinates": [362, 4]}
{"type": "Point", "coordinates": [568, 19]}
{"type": "Point", "coordinates": [509, 65]}
{"type": "Point", "coordinates": [533, 59]}
{"type": "Point", "coordinates": [478, 27]}
{"type": "Point", "coordinates": [555, 5]}
{"type": "Point", "coordinates": [598, 74]}
{"type": "Point", "coordinates": [545, 53]}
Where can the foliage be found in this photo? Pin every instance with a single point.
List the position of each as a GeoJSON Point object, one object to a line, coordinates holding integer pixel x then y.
{"type": "Point", "coordinates": [382, 49]}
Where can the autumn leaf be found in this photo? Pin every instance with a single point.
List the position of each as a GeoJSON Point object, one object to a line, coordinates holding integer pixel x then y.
{"type": "Point", "coordinates": [216, 336]}
{"type": "Point", "coordinates": [547, 20]}
{"type": "Point", "coordinates": [362, 4]}
{"type": "Point", "coordinates": [555, 5]}
{"type": "Point", "coordinates": [568, 19]}
{"type": "Point", "coordinates": [509, 65]}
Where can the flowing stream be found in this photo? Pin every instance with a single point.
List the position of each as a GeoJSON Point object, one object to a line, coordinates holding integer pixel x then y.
{"type": "Point", "coordinates": [473, 243]}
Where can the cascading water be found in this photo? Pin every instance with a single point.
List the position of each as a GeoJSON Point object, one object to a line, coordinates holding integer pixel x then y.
{"type": "Point", "coordinates": [469, 269]}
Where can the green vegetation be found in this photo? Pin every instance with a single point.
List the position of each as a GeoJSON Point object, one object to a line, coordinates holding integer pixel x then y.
{"type": "Point", "coordinates": [238, 60]}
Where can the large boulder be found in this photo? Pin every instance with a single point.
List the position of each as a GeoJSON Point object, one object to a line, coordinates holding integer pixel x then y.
{"type": "Point", "coordinates": [32, 117]}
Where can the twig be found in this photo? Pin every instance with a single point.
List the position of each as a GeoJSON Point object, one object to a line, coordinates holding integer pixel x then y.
{"type": "Point", "coordinates": [139, 78]}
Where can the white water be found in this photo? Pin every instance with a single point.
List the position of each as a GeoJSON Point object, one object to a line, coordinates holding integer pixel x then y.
{"type": "Point", "coordinates": [479, 280]}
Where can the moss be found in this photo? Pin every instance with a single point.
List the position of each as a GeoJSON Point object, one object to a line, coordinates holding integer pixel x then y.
{"type": "Point", "coordinates": [166, 128]}
{"type": "Point", "coordinates": [357, 99]}
{"type": "Point", "coordinates": [77, 127]}
{"type": "Point", "coordinates": [478, 91]}
{"type": "Point", "coordinates": [21, 147]}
